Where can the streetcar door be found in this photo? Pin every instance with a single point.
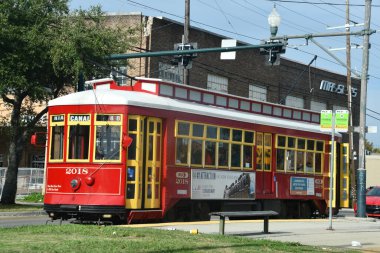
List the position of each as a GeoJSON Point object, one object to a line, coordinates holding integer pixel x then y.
{"type": "Point", "coordinates": [143, 163]}
{"type": "Point", "coordinates": [264, 162]}
{"type": "Point", "coordinates": [152, 164]}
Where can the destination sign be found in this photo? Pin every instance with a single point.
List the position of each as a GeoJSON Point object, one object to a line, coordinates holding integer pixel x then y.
{"type": "Point", "coordinates": [80, 118]}
{"type": "Point", "coordinates": [108, 117]}
{"type": "Point", "coordinates": [58, 118]}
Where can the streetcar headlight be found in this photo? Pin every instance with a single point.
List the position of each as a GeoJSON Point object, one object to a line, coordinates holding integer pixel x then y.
{"type": "Point", "coordinates": [75, 184]}
{"type": "Point", "coordinates": [107, 216]}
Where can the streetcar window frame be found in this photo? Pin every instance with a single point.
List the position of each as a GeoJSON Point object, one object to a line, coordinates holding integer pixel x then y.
{"type": "Point", "coordinates": [112, 153]}
{"type": "Point", "coordinates": [86, 126]}
{"type": "Point", "coordinates": [201, 145]}
{"type": "Point", "coordinates": [303, 153]}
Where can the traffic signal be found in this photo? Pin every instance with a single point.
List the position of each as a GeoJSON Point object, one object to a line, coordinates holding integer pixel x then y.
{"type": "Point", "coordinates": [184, 60]}
{"type": "Point", "coordinates": [273, 52]}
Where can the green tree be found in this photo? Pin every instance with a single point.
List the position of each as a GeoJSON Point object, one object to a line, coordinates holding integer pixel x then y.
{"type": "Point", "coordinates": [44, 47]}
{"type": "Point", "coordinates": [368, 145]}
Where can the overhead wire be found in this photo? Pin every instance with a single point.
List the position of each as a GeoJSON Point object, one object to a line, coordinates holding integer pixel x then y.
{"type": "Point", "coordinates": [193, 21]}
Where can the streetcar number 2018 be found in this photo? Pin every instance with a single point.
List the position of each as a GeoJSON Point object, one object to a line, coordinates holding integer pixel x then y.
{"type": "Point", "coordinates": [76, 171]}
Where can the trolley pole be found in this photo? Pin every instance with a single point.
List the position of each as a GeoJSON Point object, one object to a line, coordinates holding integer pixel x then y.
{"type": "Point", "coordinates": [361, 190]}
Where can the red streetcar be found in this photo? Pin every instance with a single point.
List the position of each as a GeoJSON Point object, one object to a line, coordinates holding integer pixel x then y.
{"type": "Point", "coordinates": [164, 151]}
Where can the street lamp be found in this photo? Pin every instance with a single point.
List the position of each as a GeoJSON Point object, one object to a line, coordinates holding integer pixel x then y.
{"type": "Point", "coordinates": [274, 21]}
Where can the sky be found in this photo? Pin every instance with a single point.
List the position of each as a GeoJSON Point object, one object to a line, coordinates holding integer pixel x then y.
{"type": "Point", "coordinates": [247, 21]}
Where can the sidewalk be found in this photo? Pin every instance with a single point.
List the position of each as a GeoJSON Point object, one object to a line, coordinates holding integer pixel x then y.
{"type": "Point", "coordinates": [27, 212]}
{"type": "Point", "coordinates": [348, 232]}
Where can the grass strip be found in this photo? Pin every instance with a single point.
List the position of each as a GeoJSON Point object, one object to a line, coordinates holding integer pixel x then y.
{"type": "Point", "coordinates": [91, 238]}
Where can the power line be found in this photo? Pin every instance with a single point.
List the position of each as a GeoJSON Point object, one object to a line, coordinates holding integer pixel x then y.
{"type": "Point", "coordinates": [319, 3]}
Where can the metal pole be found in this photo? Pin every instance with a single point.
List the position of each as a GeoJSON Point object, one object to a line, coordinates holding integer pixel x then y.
{"type": "Point", "coordinates": [349, 106]}
{"type": "Point", "coordinates": [192, 51]}
{"type": "Point", "coordinates": [332, 157]}
{"type": "Point", "coordinates": [363, 106]}
{"type": "Point", "coordinates": [186, 38]}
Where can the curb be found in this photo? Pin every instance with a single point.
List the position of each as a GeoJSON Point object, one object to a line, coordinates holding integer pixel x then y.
{"type": "Point", "coordinates": [24, 213]}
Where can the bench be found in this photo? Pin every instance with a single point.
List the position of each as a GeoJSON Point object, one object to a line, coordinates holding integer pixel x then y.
{"type": "Point", "coordinates": [244, 214]}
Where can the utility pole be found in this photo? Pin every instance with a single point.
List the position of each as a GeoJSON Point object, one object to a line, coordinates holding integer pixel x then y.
{"type": "Point", "coordinates": [350, 150]}
{"type": "Point", "coordinates": [361, 189]}
{"type": "Point", "coordinates": [185, 40]}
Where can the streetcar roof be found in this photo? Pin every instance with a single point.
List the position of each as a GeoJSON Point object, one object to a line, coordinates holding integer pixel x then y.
{"type": "Point", "coordinates": [135, 98]}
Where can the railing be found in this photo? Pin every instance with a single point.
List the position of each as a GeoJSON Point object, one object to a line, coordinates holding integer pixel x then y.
{"type": "Point", "coordinates": [29, 180]}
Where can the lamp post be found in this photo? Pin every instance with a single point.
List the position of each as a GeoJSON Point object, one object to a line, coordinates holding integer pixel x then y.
{"type": "Point", "coordinates": [274, 21]}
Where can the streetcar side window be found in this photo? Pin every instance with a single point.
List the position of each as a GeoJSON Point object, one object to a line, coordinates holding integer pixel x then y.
{"type": "Point", "coordinates": [299, 155]}
{"type": "Point", "coordinates": [107, 137]}
{"type": "Point", "coordinates": [181, 151]}
{"type": "Point", "coordinates": [202, 145]}
{"type": "Point", "coordinates": [107, 143]}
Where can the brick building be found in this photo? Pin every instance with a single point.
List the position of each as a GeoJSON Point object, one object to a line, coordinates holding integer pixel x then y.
{"type": "Point", "coordinates": [290, 83]}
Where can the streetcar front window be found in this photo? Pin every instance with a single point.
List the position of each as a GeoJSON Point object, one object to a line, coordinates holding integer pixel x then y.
{"type": "Point", "coordinates": [107, 142]}
{"type": "Point", "coordinates": [79, 142]}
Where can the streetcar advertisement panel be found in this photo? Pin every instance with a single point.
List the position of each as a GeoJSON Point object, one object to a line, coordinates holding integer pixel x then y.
{"type": "Point", "coordinates": [212, 184]}
{"type": "Point", "coordinates": [302, 186]}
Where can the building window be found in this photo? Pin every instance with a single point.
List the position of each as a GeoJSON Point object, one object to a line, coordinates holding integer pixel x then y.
{"type": "Point", "coordinates": [294, 102]}
{"type": "Point", "coordinates": [38, 161]}
{"type": "Point", "coordinates": [121, 76]}
{"type": "Point", "coordinates": [169, 72]}
{"type": "Point", "coordinates": [317, 106]}
{"type": "Point", "coordinates": [217, 83]}
{"type": "Point", "coordinates": [258, 92]}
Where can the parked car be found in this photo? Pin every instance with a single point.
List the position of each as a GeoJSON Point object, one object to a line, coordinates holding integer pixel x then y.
{"type": "Point", "coordinates": [373, 202]}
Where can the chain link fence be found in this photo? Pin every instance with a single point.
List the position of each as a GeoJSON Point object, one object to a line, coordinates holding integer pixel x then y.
{"type": "Point", "coordinates": [29, 180]}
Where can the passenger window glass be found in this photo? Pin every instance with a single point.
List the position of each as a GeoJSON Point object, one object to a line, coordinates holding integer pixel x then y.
{"type": "Point", "coordinates": [210, 153]}
{"type": "Point", "coordinates": [181, 151]}
{"type": "Point", "coordinates": [183, 128]}
{"type": "Point", "coordinates": [211, 132]}
{"type": "Point", "coordinates": [79, 142]}
{"type": "Point", "coordinates": [56, 151]}
{"type": "Point", "coordinates": [310, 145]}
{"type": "Point", "coordinates": [301, 144]}
{"type": "Point", "coordinates": [224, 133]}
{"type": "Point", "coordinates": [236, 155]}
{"type": "Point", "coordinates": [196, 152]}
{"type": "Point", "coordinates": [223, 154]}
{"type": "Point", "coordinates": [237, 135]}
{"type": "Point", "coordinates": [107, 142]}
{"type": "Point", "coordinates": [290, 162]}
{"type": "Point", "coordinates": [197, 130]}
{"type": "Point", "coordinates": [280, 159]}
{"type": "Point", "coordinates": [281, 141]}
{"type": "Point", "coordinates": [248, 137]}
{"type": "Point", "coordinates": [291, 142]}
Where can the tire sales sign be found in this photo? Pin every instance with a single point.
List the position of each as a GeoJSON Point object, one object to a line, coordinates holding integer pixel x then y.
{"type": "Point", "coordinates": [340, 120]}
{"type": "Point", "coordinates": [326, 120]}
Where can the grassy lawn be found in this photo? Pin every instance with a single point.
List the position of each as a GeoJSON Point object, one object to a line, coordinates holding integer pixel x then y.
{"type": "Point", "coordinates": [91, 238]}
